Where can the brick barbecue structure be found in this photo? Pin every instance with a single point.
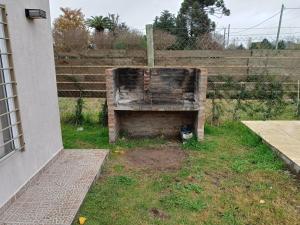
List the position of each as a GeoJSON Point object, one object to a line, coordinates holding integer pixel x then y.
{"type": "Point", "coordinates": [149, 102]}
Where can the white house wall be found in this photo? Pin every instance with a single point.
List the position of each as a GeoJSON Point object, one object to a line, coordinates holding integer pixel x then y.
{"type": "Point", "coordinates": [33, 59]}
{"type": "Point", "coordinates": [1, 140]}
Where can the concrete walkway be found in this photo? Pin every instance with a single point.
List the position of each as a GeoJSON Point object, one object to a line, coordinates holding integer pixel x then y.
{"type": "Point", "coordinates": [58, 192]}
{"type": "Point", "coordinates": [283, 137]}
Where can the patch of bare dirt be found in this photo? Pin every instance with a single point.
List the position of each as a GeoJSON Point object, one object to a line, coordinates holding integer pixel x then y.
{"type": "Point", "coordinates": [158, 214]}
{"type": "Point", "coordinates": [163, 158]}
{"type": "Point", "coordinates": [217, 177]}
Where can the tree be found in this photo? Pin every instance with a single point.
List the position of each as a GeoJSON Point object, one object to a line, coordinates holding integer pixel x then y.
{"type": "Point", "coordinates": [70, 19]}
{"type": "Point", "coordinates": [193, 19]}
{"type": "Point", "coordinates": [165, 22]}
{"type": "Point", "coordinates": [99, 23]}
{"type": "Point", "coordinates": [69, 31]}
{"type": "Point", "coordinates": [117, 35]}
{"type": "Point", "coordinates": [281, 45]}
{"type": "Point", "coordinates": [265, 44]}
{"type": "Point", "coordinates": [115, 26]}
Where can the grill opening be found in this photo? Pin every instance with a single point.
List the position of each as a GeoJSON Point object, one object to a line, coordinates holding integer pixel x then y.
{"type": "Point", "coordinates": [146, 102]}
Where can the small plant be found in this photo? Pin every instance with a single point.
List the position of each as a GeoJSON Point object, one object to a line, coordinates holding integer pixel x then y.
{"type": "Point", "coordinates": [103, 115]}
{"type": "Point", "coordinates": [270, 94]}
{"type": "Point", "coordinates": [217, 110]}
{"type": "Point", "coordinates": [176, 201]}
{"type": "Point", "coordinates": [296, 103]}
{"type": "Point", "coordinates": [122, 180]}
{"type": "Point", "coordinates": [205, 146]}
{"type": "Point", "coordinates": [78, 111]}
{"type": "Point", "coordinates": [188, 188]}
{"type": "Point", "coordinates": [240, 97]}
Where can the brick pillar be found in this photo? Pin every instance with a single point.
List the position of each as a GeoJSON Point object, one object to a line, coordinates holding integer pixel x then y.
{"type": "Point", "coordinates": [201, 97]}
{"type": "Point", "coordinates": [113, 123]}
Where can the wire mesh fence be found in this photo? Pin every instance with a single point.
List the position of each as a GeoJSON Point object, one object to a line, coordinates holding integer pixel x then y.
{"type": "Point", "coordinates": [223, 39]}
{"type": "Point", "coordinates": [182, 39]}
{"type": "Point", "coordinates": [177, 39]}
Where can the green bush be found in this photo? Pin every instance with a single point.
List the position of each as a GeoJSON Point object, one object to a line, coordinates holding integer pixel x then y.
{"type": "Point", "coordinates": [103, 115]}
{"type": "Point", "coordinates": [78, 112]}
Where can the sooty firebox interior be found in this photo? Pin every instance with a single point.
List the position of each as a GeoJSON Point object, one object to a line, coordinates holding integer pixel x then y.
{"type": "Point", "coordinates": [155, 101]}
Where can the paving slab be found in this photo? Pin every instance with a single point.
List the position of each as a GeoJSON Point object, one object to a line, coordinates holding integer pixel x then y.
{"type": "Point", "coordinates": [283, 137]}
{"type": "Point", "coordinates": [56, 195]}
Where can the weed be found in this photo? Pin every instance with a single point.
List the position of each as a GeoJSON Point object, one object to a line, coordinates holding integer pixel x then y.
{"type": "Point", "coordinates": [176, 201]}
{"type": "Point", "coordinates": [122, 180]}
{"type": "Point", "coordinates": [260, 158]}
{"type": "Point", "coordinates": [135, 143]}
{"type": "Point", "coordinates": [229, 217]}
{"type": "Point", "coordinates": [195, 145]}
{"type": "Point", "coordinates": [217, 111]}
{"type": "Point", "coordinates": [191, 187]}
{"type": "Point", "coordinates": [119, 168]}
{"type": "Point", "coordinates": [161, 183]}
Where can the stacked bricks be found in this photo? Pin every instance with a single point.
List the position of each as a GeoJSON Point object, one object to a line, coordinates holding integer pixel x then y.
{"type": "Point", "coordinates": [147, 82]}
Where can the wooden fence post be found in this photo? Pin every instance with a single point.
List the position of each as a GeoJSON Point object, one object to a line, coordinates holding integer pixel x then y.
{"type": "Point", "coordinates": [150, 45]}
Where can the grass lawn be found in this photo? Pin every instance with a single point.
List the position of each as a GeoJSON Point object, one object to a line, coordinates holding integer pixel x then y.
{"type": "Point", "coordinates": [230, 178]}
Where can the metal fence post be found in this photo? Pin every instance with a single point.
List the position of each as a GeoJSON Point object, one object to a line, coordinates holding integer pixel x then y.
{"type": "Point", "coordinates": [150, 45]}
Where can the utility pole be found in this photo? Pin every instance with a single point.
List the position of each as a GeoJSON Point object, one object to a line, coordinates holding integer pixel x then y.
{"type": "Point", "coordinates": [228, 36]}
{"type": "Point", "coordinates": [279, 26]}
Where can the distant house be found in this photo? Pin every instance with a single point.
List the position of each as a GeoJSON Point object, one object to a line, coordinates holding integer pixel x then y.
{"type": "Point", "coordinates": [30, 134]}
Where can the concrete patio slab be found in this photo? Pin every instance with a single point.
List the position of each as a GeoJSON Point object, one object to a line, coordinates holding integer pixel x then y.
{"type": "Point", "coordinates": [283, 137]}
{"type": "Point", "coordinates": [56, 195]}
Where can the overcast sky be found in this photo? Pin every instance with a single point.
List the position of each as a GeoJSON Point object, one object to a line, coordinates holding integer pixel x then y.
{"type": "Point", "coordinates": [137, 13]}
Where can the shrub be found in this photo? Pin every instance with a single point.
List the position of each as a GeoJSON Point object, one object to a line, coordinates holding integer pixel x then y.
{"type": "Point", "coordinates": [103, 115]}
{"type": "Point", "coordinates": [129, 40]}
{"type": "Point", "coordinates": [163, 40]}
{"type": "Point", "coordinates": [103, 40]}
{"type": "Point", "coordinates": [78, 111]}
{"type": "Point", "coordinates": [206, 42]}
{"type": "Point", "coordinates": [71, 40]}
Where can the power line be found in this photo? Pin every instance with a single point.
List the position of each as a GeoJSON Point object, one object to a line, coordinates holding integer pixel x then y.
{"type": "Point", "coordinates": [246, 35]}
{"type": "Point", "coordinates": [262, 28]}
{"type": "Point", "coordinates": [249, 28]}
{"type": "Point", "coordinates": [292, 8]}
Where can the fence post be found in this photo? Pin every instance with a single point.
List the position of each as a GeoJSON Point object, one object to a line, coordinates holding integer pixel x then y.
{"type": "Point", "coordinates": [298, 97]}
{"type": "Point", "coordinates": [150, 45]}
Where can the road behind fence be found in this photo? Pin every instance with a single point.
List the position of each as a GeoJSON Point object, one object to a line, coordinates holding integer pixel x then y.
{"type": "Point", "coordinates": [84, 74]}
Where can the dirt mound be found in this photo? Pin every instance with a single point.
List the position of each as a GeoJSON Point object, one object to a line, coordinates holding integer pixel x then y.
{"type": "Point", "coordinates": [159, 159]}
